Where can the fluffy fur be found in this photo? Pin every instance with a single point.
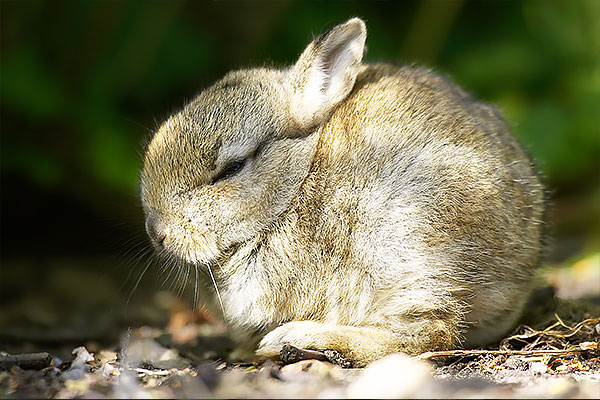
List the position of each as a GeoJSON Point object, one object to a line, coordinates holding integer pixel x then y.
{"type": "Point", "coordinates": [375, 209]}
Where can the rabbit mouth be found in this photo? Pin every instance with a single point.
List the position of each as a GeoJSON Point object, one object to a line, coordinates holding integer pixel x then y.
{"type": "Point", "coordinates": [200, 248]}
{"type": "Point", "coordinates": [195, 248]}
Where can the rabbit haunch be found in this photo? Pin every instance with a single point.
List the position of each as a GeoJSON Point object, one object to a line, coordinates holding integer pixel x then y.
{"type": "Point", "coordinates": [363, 208]}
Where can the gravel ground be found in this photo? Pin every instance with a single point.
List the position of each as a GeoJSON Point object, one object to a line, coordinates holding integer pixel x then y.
{"type": "Point", "coordinates": [93, 347]}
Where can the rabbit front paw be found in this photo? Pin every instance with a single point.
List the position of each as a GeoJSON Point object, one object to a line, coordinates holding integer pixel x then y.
{"type": "Point", "coordinates": [300, 334]}
{"type": "Point", "coordinates": [350, 345]}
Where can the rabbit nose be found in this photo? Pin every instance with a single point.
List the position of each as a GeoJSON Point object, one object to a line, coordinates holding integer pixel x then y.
{"type": "Point", "coordinates": [157, 230]}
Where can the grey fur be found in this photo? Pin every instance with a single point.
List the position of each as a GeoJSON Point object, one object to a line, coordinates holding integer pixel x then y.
{"type": "Point", "coordinates": [379, 208]}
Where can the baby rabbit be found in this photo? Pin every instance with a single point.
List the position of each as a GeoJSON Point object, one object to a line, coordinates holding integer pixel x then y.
{"type": "Point", "coordinates": [361, 208]}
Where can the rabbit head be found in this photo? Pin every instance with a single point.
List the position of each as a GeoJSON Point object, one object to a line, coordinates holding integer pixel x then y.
{"type": "Point", "coordinates": [232, 160]}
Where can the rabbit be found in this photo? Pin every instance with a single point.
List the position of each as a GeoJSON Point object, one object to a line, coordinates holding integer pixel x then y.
{"type": "Point", "coordinates": [336, 205]}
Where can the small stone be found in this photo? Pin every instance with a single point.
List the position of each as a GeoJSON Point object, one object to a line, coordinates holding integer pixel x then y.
{"type": "Point", "coordinates": [151, 352]}
{"type": "Point", "coordinates": [394, 376]}
{"type": "Point", "coordinates": [538, 368]}
{"type": "Point", "coordinates": [82, 356]}
{"type": "Point", "coordinates": [104, 356]}
{"type": "Point", "coordinates": [108, 370]}
{"type": "Point", "coordinates": [320, 368]}
{"type": "Point", "coordinates": [561, 388]}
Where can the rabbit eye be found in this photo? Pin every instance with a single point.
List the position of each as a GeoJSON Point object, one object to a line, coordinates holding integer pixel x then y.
{"type": "Point", "coordinates": [229, 170]}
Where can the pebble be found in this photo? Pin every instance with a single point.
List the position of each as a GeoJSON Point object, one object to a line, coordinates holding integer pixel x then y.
{"type": "Point", "coordinates": [394, 376]}
{"type": "Point", "coordinates": [538, 368]}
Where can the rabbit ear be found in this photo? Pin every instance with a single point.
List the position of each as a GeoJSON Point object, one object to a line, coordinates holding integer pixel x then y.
{"type": "Point", "coordinates": [325, 73]}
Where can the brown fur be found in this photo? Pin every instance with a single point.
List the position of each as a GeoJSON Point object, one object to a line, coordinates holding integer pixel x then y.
{"type": "Point", "coordinates": [379, 209]}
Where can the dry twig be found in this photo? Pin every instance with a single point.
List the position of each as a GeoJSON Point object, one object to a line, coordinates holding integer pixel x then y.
{"type": "Point", "coordinates": [473, 353]}
{"type": "Point", "coordinates": [557, 334]}
{"type": "Point", "coordinates": [26, 361]}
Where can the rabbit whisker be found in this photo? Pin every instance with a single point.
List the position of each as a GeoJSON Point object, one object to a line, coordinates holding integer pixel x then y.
{"type": "Point", "coordinates": [217, 291]}
{"type": "Point", "coordinates": [138, 281]}
{"type": "Point", "coordinates": [195, 287]}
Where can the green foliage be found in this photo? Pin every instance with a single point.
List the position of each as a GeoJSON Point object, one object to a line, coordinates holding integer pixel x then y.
{"type": "Point", "coordinates": [83, 83]}
{"type": "Point", "coordinates": [543, 71]}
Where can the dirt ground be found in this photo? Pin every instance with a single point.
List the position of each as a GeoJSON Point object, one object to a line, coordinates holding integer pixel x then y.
{"type": "Point", "coordinates": [74, 336]}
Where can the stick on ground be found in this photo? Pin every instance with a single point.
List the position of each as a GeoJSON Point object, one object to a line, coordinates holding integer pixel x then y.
{"type": "Point", "coordinates": [473, 353]}
{"type": "Point", "coordinates": [26, 361]}
{"type": "Point", "coordinates": [290, 354]}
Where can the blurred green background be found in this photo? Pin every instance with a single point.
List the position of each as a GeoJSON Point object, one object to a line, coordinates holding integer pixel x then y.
{"type": "Point", "coordinates": [84, 83]}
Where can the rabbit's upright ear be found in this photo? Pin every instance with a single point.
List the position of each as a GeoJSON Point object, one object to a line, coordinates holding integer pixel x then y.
{"type": "Point", "coordinates": [325, 73]}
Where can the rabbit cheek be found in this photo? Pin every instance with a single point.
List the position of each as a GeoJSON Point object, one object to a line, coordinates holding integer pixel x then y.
{"type": "Point", "coordinates": [192, 247]}
{"type": "Point", "coordinates": [195, 243]}
{"type": "Point", "coordinates": [202, 248]}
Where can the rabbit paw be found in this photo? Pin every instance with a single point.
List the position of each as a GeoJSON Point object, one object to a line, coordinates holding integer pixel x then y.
{"type": "Point", "coordinates": [301, 334]}
{"type": "Point", "coordinates": [341, 344]}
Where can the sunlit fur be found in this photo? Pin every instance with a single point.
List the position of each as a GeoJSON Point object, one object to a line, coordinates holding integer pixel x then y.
{"type": "Point", "coordinates": [380, 208]}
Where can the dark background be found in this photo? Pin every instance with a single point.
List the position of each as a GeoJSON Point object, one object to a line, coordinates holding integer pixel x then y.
{"type": "Point", "coordinates": [84, 83]}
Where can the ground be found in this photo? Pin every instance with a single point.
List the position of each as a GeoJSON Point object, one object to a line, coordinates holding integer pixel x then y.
{"type": "Point", "coordinates": [60, 341]}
